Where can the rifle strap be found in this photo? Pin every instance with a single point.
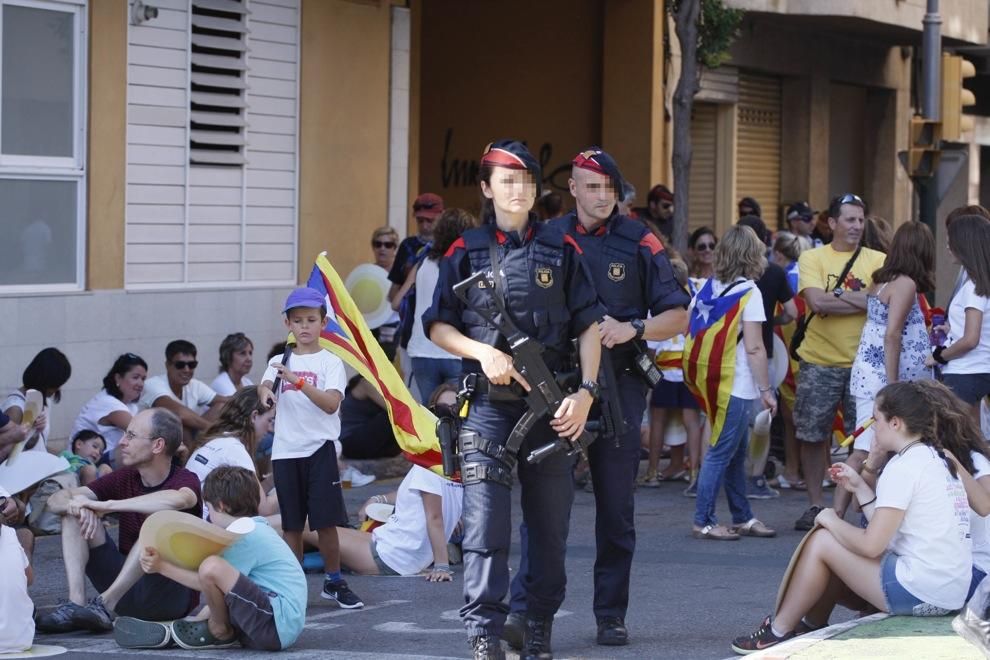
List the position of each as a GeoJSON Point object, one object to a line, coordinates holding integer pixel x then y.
{"type": "Point", "coordinates": [498, 279]}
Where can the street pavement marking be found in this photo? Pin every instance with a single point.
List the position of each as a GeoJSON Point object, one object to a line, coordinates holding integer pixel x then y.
{"type": "Point", "coordinates": [455, 615]}
{"type": "Point", "coordinates": [408, 627]}
{"type": "Point", "coordinates": [342, 612]}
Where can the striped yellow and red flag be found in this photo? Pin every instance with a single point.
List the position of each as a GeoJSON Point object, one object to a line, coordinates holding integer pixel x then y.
{"type": "Point", "coordinates": [348, 337]}
{"type": "Point", "coordinates": [710, 350]}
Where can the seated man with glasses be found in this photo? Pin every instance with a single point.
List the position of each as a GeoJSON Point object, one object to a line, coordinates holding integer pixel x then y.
{"type": "Point", "coordinates": [195, 402]}
{"type": "Point", "coordinates": [147, 482]}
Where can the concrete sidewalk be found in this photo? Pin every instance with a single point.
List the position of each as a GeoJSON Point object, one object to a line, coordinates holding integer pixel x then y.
{"type": "Point", "coordinates": [878, 636]}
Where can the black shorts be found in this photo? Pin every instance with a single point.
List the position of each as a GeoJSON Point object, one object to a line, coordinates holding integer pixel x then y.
{"type": "Point", "coordinates": [252, 616]}
{"type": "Point", "coordinates": [153, 598]}
{"type": "Point", "coordinates": [310, 487]}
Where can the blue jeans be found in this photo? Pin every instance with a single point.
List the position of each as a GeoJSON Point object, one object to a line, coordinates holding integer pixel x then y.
{"type": "Point", "coordinates": [431, 373]}
{"type": "Point", "coordinates": [726, 461]}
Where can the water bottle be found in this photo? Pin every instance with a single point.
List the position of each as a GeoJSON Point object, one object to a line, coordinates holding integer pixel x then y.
{"type": "Point", "coordinates": [937, 335]}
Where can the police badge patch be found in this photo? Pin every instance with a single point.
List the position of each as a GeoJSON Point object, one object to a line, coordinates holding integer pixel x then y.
{"type": "Point", "coordinates": [544, 277]}
{"type": "Point", "coordinates": [616, 271]}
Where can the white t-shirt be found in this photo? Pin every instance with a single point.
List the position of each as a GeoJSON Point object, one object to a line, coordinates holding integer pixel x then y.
{"type": "Point", "coordinates": [224, 386]}
{"type": "Point", "coordinates": [979, 526]}
{"type": "Point", "coordinates": [403, 542]}
{"type": "Point", "coordinates": [933, 541]}
{"type": "Point", "coordinates": [420, 345]}
{"type": "Point", "coordinates": [218, 452]}
{"type": "Point", "coordinates": [300, 426]}
{"type": "Point", "coordinates": [196, 395]}
{"type": "Point", "coordinates": [16, 623]}
{"type": "Point", "coordinates": [976, 361]}
{"type": "Point", "coordinates": [16, 399]}
{"type": "Point", "coordinates": [97, 408]}
{"type": "Point", "coordinates": [743, 384]}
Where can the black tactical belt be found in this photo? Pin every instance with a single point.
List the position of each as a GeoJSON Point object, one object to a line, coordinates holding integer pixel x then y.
{"type": "Point", "coordinates": [472, 473]}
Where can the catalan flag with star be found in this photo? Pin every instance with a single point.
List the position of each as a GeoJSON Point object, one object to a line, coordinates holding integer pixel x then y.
{"type": "Point", "coordinates": [710, 350]}
{"type": "Point", "coordinates": [348, 337]}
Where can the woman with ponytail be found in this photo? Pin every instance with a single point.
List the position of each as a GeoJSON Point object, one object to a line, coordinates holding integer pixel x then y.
{"type": "Point", "coordinates": [914, 557]}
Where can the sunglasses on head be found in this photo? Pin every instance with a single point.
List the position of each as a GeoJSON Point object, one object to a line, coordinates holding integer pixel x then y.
{"type": "Point", "coordinates": [704, 247]}
{"type": "Point", "coordinates": [850, 198]}
{"type": "Point", "coordinates": [383, 244]}
{"type": "Point", "coordinates": [184, 364]}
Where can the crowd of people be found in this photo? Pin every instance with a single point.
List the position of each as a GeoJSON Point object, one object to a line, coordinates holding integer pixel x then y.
{"type": "Point", "coordinates": [823, 325]}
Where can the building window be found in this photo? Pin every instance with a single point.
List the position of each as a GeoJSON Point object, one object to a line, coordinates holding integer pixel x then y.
{"type": "Point", "coordinates": [42, 144]}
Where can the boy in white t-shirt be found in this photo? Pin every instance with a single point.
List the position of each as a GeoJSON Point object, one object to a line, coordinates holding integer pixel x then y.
{"type": "Point", "coordinates": [304, 459]}
{"type": "Point", "coordinates": [16, 623]}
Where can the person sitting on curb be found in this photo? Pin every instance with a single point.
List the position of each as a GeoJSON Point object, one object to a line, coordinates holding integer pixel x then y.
{"type": "Point", "coordinates": [147, 482]}
{"type": "Point", "coordinates": [255, 590]}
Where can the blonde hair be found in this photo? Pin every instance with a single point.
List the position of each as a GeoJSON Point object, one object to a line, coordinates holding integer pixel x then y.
{"type": "Point", "coordinates": [788, 244]}
{"type": "Point", "coordinates": [740, 253]}
{"type": "Point", "coordinates": [385, 231]}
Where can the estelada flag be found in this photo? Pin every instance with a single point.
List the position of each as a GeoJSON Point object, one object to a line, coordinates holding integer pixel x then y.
{"type": "Point", "coordinates": [710, 350]}
{"type": "Point", "coordinates": [347, 336]}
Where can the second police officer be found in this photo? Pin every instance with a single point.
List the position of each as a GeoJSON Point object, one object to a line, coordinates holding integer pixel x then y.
{"type": "Point", "coordinates": [546, 291]}
{"type": "Point", "coordinates": [636, 284]}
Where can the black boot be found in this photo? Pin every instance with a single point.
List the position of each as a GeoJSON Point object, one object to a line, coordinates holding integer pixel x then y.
{"type": "Point", "coordinates": [487, 647]}
{"type": "Point", "coordinates": [536, 645]}
{"type": "Point", "coordinates": [612, 631]}
{"type": "Point", "coordinates": [514, 631]}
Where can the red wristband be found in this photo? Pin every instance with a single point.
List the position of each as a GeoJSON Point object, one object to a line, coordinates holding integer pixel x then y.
{"type": "Point", "coordinates": [300, 381]}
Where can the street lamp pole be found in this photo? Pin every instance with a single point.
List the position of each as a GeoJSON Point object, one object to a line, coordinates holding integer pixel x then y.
{"type": "Point", "coordinates": [931, 89]}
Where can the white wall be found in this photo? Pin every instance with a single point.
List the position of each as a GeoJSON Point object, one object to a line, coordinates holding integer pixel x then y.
{"type": "Point", "coordinates": [94, 327]}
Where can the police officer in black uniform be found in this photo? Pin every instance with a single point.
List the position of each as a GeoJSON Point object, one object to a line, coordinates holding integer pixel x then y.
{"type": "Point", "coordinates": [547, 293]}
{"type": "Point", "coordinates": [634, 279]}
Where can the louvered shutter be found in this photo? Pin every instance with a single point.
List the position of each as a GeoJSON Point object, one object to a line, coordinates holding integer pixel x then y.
{"type": "Point", "coordinates": [218, 50]}
{"type": "Point", "coordinates": [758, 143]}
{"type": "Point", "coordinates": [704, 140]}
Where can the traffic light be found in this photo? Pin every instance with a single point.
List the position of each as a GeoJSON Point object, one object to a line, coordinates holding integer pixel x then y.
{"type": "Point", "coordinates": [955, 97]}
{"type": "Point", "coordinates": [923, 149]}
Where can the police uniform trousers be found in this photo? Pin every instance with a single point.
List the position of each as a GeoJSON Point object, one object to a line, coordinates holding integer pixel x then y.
{"type": "Point", "coordinates": [547, 495]}
{"type": "Point", "coordinates": [613, 474]}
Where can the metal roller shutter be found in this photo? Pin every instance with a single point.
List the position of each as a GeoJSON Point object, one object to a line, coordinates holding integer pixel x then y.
{"type": "Point", "coordinates": [758, 143]}
{"type": "Point", "coordinates": [703, 183]}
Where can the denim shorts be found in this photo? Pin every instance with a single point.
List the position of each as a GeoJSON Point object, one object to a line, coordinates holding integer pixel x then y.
{"type": "Point", "coordinates": [383, 568]}
{"type": "Point", "coordinates": [899, 600]}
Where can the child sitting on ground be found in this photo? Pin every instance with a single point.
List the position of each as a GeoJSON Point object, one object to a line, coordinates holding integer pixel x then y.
{"type": "Point", "coordinates": [16, 624]}
{"type": "Point", "coordinates": [87, 450]}
{"type": "Point", "coordinates": [255, 590]}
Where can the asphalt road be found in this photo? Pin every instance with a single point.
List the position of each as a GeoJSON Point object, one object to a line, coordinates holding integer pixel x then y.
{"type": "Point", "coordinates": [689, 597]}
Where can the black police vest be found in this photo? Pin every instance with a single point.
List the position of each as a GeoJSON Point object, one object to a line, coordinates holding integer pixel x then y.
{"type": "Point", "coordinates": [534, 281]}
{"type": "Point", "coordinates": [615, 266]}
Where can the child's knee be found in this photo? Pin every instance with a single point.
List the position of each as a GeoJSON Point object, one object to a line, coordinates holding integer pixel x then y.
{"type": "Point", "coordinates": [212, 567]}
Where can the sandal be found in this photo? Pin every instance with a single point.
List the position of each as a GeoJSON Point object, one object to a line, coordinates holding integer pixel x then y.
{"type": "Point", "coordinates": [681, 475]}
{"type": "Point", "coordinates": [753, 528]}
{"type": "Point", "coordinates": [197, 635]}
{"type": "Point", "coordinates": [714, 533]}
{"type": "Point", "coordinates": [789, 484]}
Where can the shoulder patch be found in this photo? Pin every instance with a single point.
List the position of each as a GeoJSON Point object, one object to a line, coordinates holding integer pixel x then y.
{"type": "Point", "coordinates": [456, 245]}
{"type": "Point", "coordinates": [570, 241]}
{"type": "Point", "coordinates": [652, 242]}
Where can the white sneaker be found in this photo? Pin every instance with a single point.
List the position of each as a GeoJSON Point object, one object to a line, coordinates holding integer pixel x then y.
{"type": "Point", "coordinates": [356, 477]}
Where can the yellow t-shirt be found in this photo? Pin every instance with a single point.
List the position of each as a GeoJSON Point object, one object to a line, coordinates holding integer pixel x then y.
{"type": "Point", "coordinates": [832, 340]}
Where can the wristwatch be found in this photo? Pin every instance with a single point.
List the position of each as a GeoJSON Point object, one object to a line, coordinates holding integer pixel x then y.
{"type": "Point", "coordinates": [592, 388]}
{"type": "Point", "coordinates": [937, 355]}
{"type": "Point", "coordinates": [639, 327]}
{"type": "Point", "coordinates": [837, 292]}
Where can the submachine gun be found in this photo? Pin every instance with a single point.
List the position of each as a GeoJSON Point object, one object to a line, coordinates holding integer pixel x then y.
{"type": "Point", "coordinates": [545, 395]}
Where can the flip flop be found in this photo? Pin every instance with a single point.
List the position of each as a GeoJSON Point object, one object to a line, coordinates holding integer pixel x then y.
{"type": "Point", "coordinates": [677, 476]}
{"type": "Point", "coordinates": [131, 633]}
{"type": "Point", "coordinates": [714, 533]}
{"type": "Point", "coordinates": [196, 635]}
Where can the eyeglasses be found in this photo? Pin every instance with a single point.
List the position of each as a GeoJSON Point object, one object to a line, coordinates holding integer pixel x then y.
{"type": "Point", "coordinates": [183, 364]}
{"type": "Point", "coordinates": [388, 245]}
{"type": "Point", "coordinates": [131, 435]}
{"type": "Point", "coordinates": [704, 247]}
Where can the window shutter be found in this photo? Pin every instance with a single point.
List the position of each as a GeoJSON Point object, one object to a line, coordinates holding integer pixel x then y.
{"type": "Point", "coordinates": [758, 143]}
{"type": "Point", "coordinates": [218, 52]}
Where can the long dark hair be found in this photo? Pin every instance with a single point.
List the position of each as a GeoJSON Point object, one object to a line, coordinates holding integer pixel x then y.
{"type": "Point", "coordinates": [121, 366]}
{"type": "Point", "coordinates": [49, 370]}
{"type": "Point", "coordinates": [449, 226]}
{"type": "Point", "coordinates": [969, 240]}
{"type": "Point", "coordinates": [234, 420]}
{"type": "Point", "coordinates": [912, 254]}
{"type": "Point", "coordinates": [932, 412]}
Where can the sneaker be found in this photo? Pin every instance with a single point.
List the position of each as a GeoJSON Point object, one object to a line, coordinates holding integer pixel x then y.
{"type": "Point", "coordinates": [61, 619]}
{"type": "Point", "coordinates": [763, 638]}
{"type": "Point", "coordinates": [131, 633]}
{"type": "Point", "coordinates": [803, 627]}
{"type": "Point", "coordinates": [197, 635]}
{"type": "Point", "coordinates": [973, 629]}
{"type": "Point", "coordinates": [95, 616]}
{"type": "Point", "coordinates": [807, 519]}
{"type": "Point", "coordinates": [341, 593]}
{"type": "Point", "coordinates": [356, 478]}
{"type": "Point", "coordinates": [692, 490]}
{"type": "Point", "coordinates": [758, 489]}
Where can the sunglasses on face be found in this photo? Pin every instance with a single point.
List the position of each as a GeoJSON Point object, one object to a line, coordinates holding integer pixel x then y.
{"type": "Point", "coordinates": [183, 364]}
{"type": "Point", "coordinates": [704, 247]}
{"type": "Point", "coordinates": [383, 244]}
